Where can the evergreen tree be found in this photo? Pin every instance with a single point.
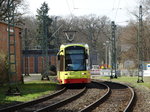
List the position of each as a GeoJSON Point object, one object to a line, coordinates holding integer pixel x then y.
{"type": "Point", "coordinates": [44, 23]}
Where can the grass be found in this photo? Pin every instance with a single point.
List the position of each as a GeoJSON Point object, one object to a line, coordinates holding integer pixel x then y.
{"type": "Point", "coordinates": [29, 91]}
{"type": "Point", "coordinates": [35, 89]}
{"type": "Point", "coordinates": [131, 80]}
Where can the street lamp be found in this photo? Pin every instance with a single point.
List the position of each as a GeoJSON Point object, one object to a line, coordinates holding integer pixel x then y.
{"type": "Point", "coordinates": [105, 52]}
{"type": "Point", "coordinates": [107, 59]}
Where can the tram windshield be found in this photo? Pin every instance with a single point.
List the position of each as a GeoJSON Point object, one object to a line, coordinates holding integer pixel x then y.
{"type": "Point", "coordinates": [75, 59]}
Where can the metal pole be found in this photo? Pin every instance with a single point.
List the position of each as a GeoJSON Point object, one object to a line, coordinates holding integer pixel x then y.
{"type": "Point", "coordinates": [113, 52]}
{"type": "Point", "coordinates": [12, 63]}
{"type": "Point", "coordinates": [109, 54]}
{"type": "Point", "coordinates": [26, 55]}
{"type": "Point", "coordinates": [106, 55]}
{"type": "Point", "coordinates": [45, 57]}
{"type": "Point", "coordinates": [105, 44]}
{"type": "Point", "coordinates": [140, 54]}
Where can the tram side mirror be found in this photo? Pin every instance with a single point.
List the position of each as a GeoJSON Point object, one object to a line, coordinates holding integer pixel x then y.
{"type": "Point", "coordinates": [58, 57]}
{"type": "Point", "coordinates": [86, 56]}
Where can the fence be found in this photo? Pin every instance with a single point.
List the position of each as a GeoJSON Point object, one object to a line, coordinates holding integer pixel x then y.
{"type": "Point", "coordinates": [125, 72]}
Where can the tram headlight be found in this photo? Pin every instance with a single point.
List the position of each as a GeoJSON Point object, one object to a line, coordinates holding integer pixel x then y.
{"type": "Point", "coordinates": [83, 73]}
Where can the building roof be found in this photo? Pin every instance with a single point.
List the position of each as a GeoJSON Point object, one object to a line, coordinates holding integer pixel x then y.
{"type": "Point", "coordinates": [50, 51]}
{"type": "Point", "coordinates": [4, 22]}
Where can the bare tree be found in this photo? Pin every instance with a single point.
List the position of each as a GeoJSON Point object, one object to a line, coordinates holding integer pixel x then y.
{"type": "Point", "coordinates": [130, 34]}
{"type": "Point", "coordinates": [90, 29]}
{"type": "Point", "coordinates": [30, 23]}
{"type": "Point", "coordinates": [18, 5]}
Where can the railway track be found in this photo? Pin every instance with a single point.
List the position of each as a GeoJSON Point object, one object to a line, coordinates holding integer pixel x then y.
{"type": "Point", "coordinates": [100, 100]}
{"type": "Point", "coordinates": [121, 99]}
{"type": "Point", "coordinates": [116, 97]}
{"type": "Point", "coordinates": [41, 105]}
{"type": "Point", "coordinates": [62, 102]}
{"type": "Point", "coordinates": [97, 96]}
{"type": "Point", "coordinates": [96, 92]}
{"type": "Point", "coordinates": [33, 102]}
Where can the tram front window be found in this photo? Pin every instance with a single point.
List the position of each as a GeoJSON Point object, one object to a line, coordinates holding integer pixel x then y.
{"type": "Point", "coordinates": [75, 60]}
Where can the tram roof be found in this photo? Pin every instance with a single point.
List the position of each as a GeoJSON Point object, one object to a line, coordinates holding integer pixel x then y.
{"type": "Point", "coordinates": [74, 44]}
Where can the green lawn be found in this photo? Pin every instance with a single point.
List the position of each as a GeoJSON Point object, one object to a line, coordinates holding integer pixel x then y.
{"type": "Point", "coordinates": [29, 91]}
{"type": "Point", "coordinates": [131, 80]}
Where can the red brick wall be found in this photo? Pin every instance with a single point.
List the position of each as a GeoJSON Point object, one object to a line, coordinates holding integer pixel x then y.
{"type": "Point", "coordinates": [53, 60]}
{"type": "Point", "coordinates": [39, 64]}
{"type": "Point", "coordinates": [3, 38]}
{"type": "Point", "coordinates": [31, 64]}
{"type": "Point", "coordinates": [4, 45]}
{"type": "Point", "coordinates": [25, 64]}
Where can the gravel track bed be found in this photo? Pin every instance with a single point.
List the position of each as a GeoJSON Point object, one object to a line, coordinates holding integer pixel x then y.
{"type": "Point", "coordinates": [117, 101]}
{"type": "Point", "coordinates": [93, 93]}
{"type": "Point", "coordinates": [68, 93]}
{"type": "Point", "coordinates": [143, 100]}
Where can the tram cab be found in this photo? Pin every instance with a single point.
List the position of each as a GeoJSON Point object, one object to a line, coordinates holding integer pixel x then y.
{"type": "Point", "coordinates": [73, 64]}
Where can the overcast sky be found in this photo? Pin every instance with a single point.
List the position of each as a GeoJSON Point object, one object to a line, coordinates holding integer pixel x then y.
{"type": "Point", "coordinates": [116, 10]}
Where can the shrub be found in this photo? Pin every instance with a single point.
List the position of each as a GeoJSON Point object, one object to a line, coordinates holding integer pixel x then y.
{"type": "Point", "coordinates": [3, 68]}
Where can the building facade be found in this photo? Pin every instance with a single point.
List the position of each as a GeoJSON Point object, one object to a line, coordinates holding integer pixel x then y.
{"type": "Point", "coordinates": [4, 45]}
{"type": "Point", "coordinates": [32, 60]}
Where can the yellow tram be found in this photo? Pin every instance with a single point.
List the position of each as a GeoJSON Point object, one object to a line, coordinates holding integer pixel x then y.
{"type": "Point", "coordinates": [73, 64]}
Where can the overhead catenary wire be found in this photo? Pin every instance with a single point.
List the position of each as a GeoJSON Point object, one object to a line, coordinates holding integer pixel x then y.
{"type": "Point", "coordinates": [73, 4]}
{"type": "Point", "coordinates": [130, 10]}
{"type": "Point", "coordinates": [66, 34]}
{"type": "Point", "coordinates": [113, 4]}
{"type": "Point", "coordinates": [117, 9]}
{"type": "Point", "coordinates": [69, 7]}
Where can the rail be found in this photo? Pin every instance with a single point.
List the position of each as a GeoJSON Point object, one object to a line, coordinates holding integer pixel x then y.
{"type": "Point", "coordinates": [63, 102]}
{"type": "Point", "coordinates": [33, 102]}
{"type": "Point", "coordinates": [99, 101]}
